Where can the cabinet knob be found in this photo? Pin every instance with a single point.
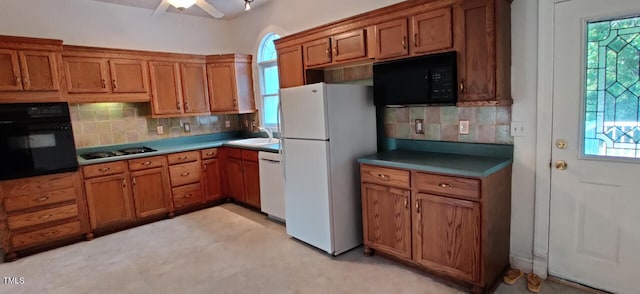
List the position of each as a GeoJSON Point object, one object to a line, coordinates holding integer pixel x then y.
{"type": "Point", "coordinates": [104, 169]}
{"type": "Point", "coordinates": [46, 216]}
{"type": "Point", "coordinates": [48, 234]}
{"type": "Point", "coordinates": [184, 174]}
{"type": "Point", "coordinates": [204, 167]}
{"type": "Point", "coordinates": [415, 40]}
{"type": "Point", "coordinates": [406, 203]}
{"type": "Point", "coordinates": [210, 153]}
{"type": "Point", "coordinates": [404, 42]}
{"type": "Point", "coordinates": [444, 185]}
{"type": "Point", "coordinates": [462, 86]}
{"type": "Point", "coordinates": [115, 85]}
{"type": "Point", "coordinates": [383, 176]}
{"type": "Point", "coordinates": [178, 105]}
{"type": "Point", "coordinates": [186, 106]}
{"type": "Point", "coordinates": [41, 199]}
{"type": "Point", "coordinates": [182, 157]}
{"type": "Point", "coordinates": [124, 183]}
{"type": "Point", "coordinates": [25, 80]}
{"type": "Point", "coordinates": [417, 206]}
{"type": "Point", "coordinates": [133, 181]}
{"type": "Point", "coordinates": [17, 81]}
{"type": "Point", "coordinates": [187, 196]}
{"type": "Point", "coordinates": [104, 84]}
{"type": "Point", "coordinates": [146, 163]}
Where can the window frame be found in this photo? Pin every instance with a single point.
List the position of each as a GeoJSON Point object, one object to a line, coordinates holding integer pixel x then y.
{"type": "Point", "coordinates": [262, 66]}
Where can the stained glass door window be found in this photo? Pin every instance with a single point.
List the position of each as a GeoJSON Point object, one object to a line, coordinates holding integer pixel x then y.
{"type": "Point", "coordinates": [612, 107]}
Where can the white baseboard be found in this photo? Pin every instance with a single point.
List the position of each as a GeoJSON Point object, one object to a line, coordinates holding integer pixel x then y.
{"type": "Point", "coordinates": [521, 263]}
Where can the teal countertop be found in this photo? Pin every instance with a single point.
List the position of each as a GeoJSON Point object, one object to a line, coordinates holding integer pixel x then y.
{"type": "Point", "coordinates": [461, 159]}
{"type": "Point", "coordinates": [172, 145]}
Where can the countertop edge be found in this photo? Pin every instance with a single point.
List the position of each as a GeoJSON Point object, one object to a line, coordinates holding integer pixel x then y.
{"type": "Point", "coordinates": [440, 170]}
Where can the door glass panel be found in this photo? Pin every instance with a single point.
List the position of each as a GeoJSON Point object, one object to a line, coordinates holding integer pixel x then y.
{"type": "Point", "coordinates": [612, 127]}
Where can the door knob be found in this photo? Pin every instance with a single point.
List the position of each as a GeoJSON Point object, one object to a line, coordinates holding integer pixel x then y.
{"type": "Point", "coordinates": [561, 164]}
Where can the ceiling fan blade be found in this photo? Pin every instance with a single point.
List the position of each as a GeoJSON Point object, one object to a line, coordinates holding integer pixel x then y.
{"type": "Point", "coordinates": [209, 8]}
{"type": "Point", "coordinates": [162, 7]}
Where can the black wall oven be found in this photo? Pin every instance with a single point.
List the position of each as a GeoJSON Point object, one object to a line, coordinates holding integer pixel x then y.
{"type": "Point", "coordinates": [36, 139]}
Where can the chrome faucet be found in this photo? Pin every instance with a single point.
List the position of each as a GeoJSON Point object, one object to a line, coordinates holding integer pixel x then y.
{"type": "Point", "coordinates": [269, 132]}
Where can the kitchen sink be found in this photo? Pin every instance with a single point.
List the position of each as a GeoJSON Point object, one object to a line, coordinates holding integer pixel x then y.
{"type": "Point", "coordinates": [254, 142]}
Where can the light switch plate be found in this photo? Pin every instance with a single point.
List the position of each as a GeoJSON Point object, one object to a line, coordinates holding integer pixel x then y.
{"type": "Point", "coordinates": [227, 124]}
{"type": "Point", "coordinates": [160, 130]}
{"type": "Point", "coordinates": [464, 127]}
{"type": "Point", "coordinates": [187, 127]}
{"type": "Point", "coordinates": [419, 126]}
{"type": "Point", "coordinates": [517, 129]}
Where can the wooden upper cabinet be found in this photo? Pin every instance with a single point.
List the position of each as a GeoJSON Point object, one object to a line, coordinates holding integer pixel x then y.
{"type": "Point", "coordinates": [290, 67]}
{"type": "Point", "coordinates": [87, 75]}
{"type": "Point", "coordinates": [39, 71]}
{"type": "Point", "coordinates": [28, 71]}
{"type": "Point", "coordinates": [166, 88]}
{"type": "Point", "coordinates": [317, 52]}
{"type": "Point", "coordinates": [431, 31]}
{"type": "Point", "coordinates": [194, 88]}
{"type": "Point", "coordinates": [129, 76]}
{"type": "Point", "coordinates": [392, 39]}
{"type": "Point", "coordinates": [348, 46]}
{"type": "Point", "coordinates": [447, 236]}
{"type": "Point", "coordinates": [231, 83]}
{"type": "Point", "coordinates": [482, 35]}
{"type": "Point", "coordinates": [10, 78]}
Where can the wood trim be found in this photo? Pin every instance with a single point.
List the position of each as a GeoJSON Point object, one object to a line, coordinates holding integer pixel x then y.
{"type": "Point", "coordinates": [27, 43]}
{"type": "Point", "coordinates": [113, 53]}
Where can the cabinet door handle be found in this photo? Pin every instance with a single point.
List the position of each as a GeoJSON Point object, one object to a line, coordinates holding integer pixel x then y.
{"type": "Point", "coordinates": [178, 105]}
{"type": "Point", "coordinates": [25, 80]}
{"type": "Point", "coordinates": [328, 52]}
{"type": "Point", "coordinates": [417, 206]}
{"type": "Point", "coordinates": [48, 234]}
{"type": "Point", "coordinates": [383, 176]}
{"type": "Point", "coordinates": [462, 86]}
{"type": "Point", "coordinates": [182, 157]}
{"type": "Point", "coordinates": [210, 153]}
{"type": "Point", "coordinates": [187, 196]}
{"type": "Point", "coordinates": [43, 198]}
{"type": "Point", "coordinates": [204, 167]}
{"type": "Point", "coordinates": [104, 84]}
{"type": "Point", "coordinates": [335, 49]}
{"type": "Point", "coordinates": [104, 169]}
{"type": "Point", "coordinates": [146, 163]}
{"type": "Point", "coordinates": [444, 185]}
{"type": "Point", "coordinates": [406, 203]}
{"type": "Point", "coordinates": [186, 106]}
{"type": "Point", "coordinates": [133, 181]}
{"type": "Point", "coordinates": [115, 85]}
{"type": "Point", "coordinates": [46, 216]}
{"type": "Point", "coordinates": [404, 42]}
{"type": "Point", "coordinates": [124, 183]}
{"type": "Point", "coordinates": [17, 81]}
{"type": "Point", "coordinates": [415, 40]}
{"type": "Point", "coordinates": [184, 174]}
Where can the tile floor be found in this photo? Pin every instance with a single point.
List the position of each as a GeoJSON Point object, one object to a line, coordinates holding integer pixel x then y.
{"type": "Point", "coordinates": [224, 249]}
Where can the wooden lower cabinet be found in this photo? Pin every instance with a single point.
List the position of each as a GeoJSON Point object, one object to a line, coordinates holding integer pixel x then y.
{"type": "Point", "coordinates": [457, 228]}
{"type": "Point", "coordinates": [109, 200]}
{"type": "Point", "coordinates": [41, 211]}
{"type": "Point", "coordinates": [235, 179]}
{"type": "Point", "coordinates": [211, 180]}
{"type": "Point", "coordinates": [243, 176]}
{"type": "Point", "coordinates": [185, 171]}
{"type": "Point", "coordinates": [251, 183]}
{"type": "Point", "coordinates": [150, 190]}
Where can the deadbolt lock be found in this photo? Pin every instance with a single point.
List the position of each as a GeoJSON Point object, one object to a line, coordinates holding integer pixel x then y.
{"type": "Point", "coordinates": [561, 144]}
{"type": "Point", "coordinates": [561, 164]}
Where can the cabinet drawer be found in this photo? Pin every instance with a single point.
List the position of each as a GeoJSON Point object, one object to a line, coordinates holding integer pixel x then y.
{"type": "Point", "coordinates": [40, 199]}
{"type": "Point", "coordinates": [43, 216]}
{"type": "Point", "coordinates": [52, 233]}
{"type": "Point", "coordinates": [448, 185]}
{"type": "Point", "coordinates": [234, 153]}
{"type": "Point", "coordinates": [186, 173]}
{"type": "Point", "coordinates": [147, 162]}
{"type": "Point", "coordinates": [103, 169]}
{"type": "Point", "coordinates": [250, 155]}
{"type": "Point", "coordinates": [385, 176]}
{"type": "Point", "coordinates": [209, 153]}
{"type": "Point", "coordinates": [187, 195]}
{"type": "Point", "coordinates": [37, 185]}
{"type": "Point", "coordinates": [183, 157]}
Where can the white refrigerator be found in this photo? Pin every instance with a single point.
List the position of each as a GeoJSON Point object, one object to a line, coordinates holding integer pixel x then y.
{"type": "Point", "coordinates": [325, 128]}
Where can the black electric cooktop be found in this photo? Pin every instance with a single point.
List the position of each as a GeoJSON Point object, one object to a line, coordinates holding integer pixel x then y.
{"type": "Point", "coordinates": [127, 151]}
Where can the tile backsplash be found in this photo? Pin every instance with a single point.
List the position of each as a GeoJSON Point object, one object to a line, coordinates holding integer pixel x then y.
{"type": "Point", "coordinates": [97, 124]}
{"type": "Point", "coordinates": [486, 124]}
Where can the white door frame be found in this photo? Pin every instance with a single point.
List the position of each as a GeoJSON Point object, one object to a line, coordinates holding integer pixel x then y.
{"type": "Point", "coordinates": [544, 127]}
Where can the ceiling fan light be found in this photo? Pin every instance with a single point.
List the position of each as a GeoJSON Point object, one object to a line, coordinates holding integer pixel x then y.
{"type": "Point", "coordinates": [247, 5]}
{"type": "Point", "coordinates": [182, 4]}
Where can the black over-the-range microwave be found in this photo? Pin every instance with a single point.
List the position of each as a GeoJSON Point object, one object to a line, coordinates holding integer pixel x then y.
{"type": "Point", "coordinates": [422, 80]}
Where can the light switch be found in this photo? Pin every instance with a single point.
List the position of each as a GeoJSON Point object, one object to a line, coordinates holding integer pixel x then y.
{"type": "Point", "coordinates": [517, 129]}
{"type": "Point", "coordinates": [464, 127]}
{"type": "Point", "coordinates": [419, 126]}
{"type": "Point", "coordinates": [227, 123]}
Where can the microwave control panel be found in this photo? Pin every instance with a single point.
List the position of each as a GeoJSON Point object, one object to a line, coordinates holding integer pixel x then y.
{"type": "Point", "coordinates": [442, 84]}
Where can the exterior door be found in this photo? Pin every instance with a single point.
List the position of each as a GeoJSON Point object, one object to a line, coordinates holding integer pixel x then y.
{"type": "Point", "coordinates": [595, 205]}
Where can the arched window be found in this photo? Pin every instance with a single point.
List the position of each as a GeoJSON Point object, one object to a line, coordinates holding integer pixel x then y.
{"type": "Point", "coordinates": [269, 83]}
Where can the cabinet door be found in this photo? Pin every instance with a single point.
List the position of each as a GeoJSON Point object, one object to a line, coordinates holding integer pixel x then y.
{"type": "Point", "coordinates": [387, 219]}
{"type": "Point", "coordinates": [165, 88]}
{"type": "Point", "coordinates": [151, 191]}
{"type": "Point", "coordinates": [9, 71]}
{"type": "Point", "coordinates": [86, 75]}
{"type": "Point", "coordinates": [211, 179]}
{"type": "Point", "coordinates": [252, 183]}
{"type": "Point", "coordinates": [194, 87]}
{"type": "Point", "coordinates": [475, 40]}
{"type": "Point", "coordinates": [39, 71]}
{"type": "Point", "coordinates": [431, 31]}
{"type": "Point", "coordinates": [235, 179]}
{"type": "Point", "coordinates": [108, 200]}
{"type": "Point", "coordinates": [222, 87]}
{"type": "Point", "coordinates": [129, 76]}
{"type": "Point", "coordinates": [290, 67]}
{"type": "Point", "coordinates": [244, 87]}
{"type": "Point", "coordinates": [317, 52]}
{"type": "Point", "coordinates": [447, 235]}
{"type": "Point", "coordinates": [392, 39]}
{"type": "Point", "coordinates": [349, 45]}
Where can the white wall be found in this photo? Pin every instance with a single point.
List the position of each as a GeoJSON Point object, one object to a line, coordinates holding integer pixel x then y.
{"type": "Point", "coordinates": [524, 63]}
{"type": "Point", "coordinates": [93, 23]}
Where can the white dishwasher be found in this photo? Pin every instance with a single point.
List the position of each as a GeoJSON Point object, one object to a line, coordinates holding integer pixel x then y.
{"type": "Point", "coordinates": [271, 185]}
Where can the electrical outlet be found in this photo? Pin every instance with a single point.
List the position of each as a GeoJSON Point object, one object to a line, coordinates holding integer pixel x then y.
{"type": "Point", "coordinates": [187, 127]}
{"type": "Point", "coordinates": [246, 123]}
{"type": "Point", "coordinates": [517, 129]}
{"type": "Point", "coordinates": [464, 127]}
{"type": "Point", "coordinates": [160, 130]}
{"type": "Point", "coordinates": [419, 126]}
{"type": "Point", "coordinates": [227, 124]}
{"type": "Point", "coordinates": [253, 123]}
